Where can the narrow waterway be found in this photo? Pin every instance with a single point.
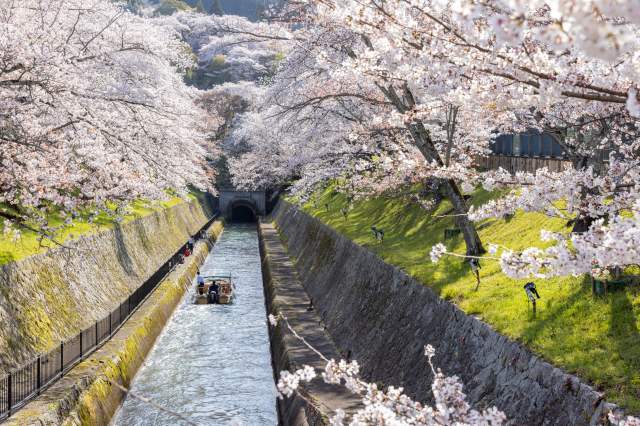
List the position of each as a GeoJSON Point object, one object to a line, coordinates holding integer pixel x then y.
{"type": "Point", "coordinates": [212, 362]}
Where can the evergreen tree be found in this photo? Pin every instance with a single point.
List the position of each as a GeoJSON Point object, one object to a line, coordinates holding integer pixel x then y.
{"type": "Point", "coordinates": [260, 10]}
{"type": "Point", "coordinates": [134, 5]}
{"type": "Point", "coordinates": [169, 7]}
{"type": "Point", "coordinates": [216, 8]}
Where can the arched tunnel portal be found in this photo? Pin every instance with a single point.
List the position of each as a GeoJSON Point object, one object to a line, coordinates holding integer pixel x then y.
{"type": "Point", "coordinates": [242, 211]}
{"type": "Point", "coordinates": [242, 206]}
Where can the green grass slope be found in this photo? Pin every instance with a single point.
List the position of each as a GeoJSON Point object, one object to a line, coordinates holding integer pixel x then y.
{"type": "Point", "coordinates": [29, 243]}
{"type": "Point", "coordinates": [596, 338]}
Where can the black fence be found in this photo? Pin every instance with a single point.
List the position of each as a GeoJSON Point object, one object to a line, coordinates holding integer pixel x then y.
{"type": "Point", "coordinates": [24, 383]}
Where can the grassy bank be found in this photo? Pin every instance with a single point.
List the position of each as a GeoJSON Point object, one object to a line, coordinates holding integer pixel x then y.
{"type": "Point", "coordinates": [594, 337]}
{"type": "Point", "coordinates": [29, 243]}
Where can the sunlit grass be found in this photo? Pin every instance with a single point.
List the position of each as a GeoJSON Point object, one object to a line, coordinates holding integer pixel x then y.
{"type": "Point", "coordinates": [596, 338]}
{"type": "Point", "coordinates": [30, 243]}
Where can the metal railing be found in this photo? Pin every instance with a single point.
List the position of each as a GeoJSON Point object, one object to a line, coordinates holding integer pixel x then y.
{"type": "Point", "coordinates": [23, 384]}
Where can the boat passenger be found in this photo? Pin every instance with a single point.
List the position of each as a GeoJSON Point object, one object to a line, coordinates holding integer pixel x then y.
{"type": "Point", "coordinates": [200, 281]}
{"type": "Point", "coordinates": [214, 291]}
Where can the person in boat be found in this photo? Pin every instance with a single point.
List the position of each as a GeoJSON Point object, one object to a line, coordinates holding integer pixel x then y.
{"type": "Point", "coordinates": [214, 292]}
{"type": "Point", "coordinates": [186, 252]}
{"type": "Point", "coordinates": [191, 243]}
{"type": "Point", "coordinates": [200, 281]}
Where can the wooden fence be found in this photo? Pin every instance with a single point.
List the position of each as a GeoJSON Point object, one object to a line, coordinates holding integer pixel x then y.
{"type": "Point", "coordinates": [522, 164]}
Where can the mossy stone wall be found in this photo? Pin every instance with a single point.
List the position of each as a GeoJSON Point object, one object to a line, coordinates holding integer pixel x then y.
{"type": "Point", "coordinates": [50, 297]}
{"type": "Point", "coordinates": [87, 395]}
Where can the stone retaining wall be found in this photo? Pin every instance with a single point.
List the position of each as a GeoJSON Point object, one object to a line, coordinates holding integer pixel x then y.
{"type": "Point", "coordinates": [50, 297]}
{"type": "Point", "coordinates": [86, 394]}
{"type": "Point", "coordinates": [385, 318]}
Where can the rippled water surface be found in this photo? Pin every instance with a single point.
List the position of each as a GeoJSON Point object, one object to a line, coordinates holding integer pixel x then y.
{"type": "Point", "coordinates": [212, 362]}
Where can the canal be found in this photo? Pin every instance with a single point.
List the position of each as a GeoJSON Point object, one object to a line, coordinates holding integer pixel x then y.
{"type": "Point", "coordinates": [212, 363]}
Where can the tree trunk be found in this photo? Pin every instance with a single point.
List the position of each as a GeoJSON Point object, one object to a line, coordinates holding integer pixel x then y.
{"type": "Point", "coordinates": [471, 237]}
{"type": "Point", "coordinates": [425, 145]}
{"type": "Point", "coordinates": [428, 150]}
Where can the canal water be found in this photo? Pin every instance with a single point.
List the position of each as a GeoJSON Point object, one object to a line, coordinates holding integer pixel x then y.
{"type": "Point", "coordinates": [212, 363]}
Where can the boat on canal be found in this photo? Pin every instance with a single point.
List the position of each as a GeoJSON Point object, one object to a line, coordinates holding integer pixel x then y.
{"type": "Point", "coordinates": [224, 294]}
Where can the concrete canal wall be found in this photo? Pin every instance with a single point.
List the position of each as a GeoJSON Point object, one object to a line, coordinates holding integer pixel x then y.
{"type": "Point", "coordinates": [50, 297]}
{"type": "Point", "coordinates": [88, 394]}
{"type": "Point", "coordinates": [384, 318]}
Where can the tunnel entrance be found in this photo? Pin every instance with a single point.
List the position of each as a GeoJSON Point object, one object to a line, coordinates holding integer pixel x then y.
{"type": "Point", "coordinates": [242, 213]}
{"type": "Point", "coordinates": [242, 206]}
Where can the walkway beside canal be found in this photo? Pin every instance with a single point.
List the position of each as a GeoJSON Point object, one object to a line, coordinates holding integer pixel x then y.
{"type": "Point", "coordinates": [286, 295]}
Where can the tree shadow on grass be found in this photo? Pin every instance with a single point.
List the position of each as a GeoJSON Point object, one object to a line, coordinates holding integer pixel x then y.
{"type": "Point", "coordinates": [609, 356]}
{"type": "Point", "coordinates": [623, 330]}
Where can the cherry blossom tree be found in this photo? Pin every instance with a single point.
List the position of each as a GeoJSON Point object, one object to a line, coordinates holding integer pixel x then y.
{"type": "Point", "coordinates": [452, 75]}
{"type": "Point", "coordinates": [236, 59]}
{"type": "Point", "coordinates": [94, 109]}
{"type": "Point", "coordinates": [302, 104]}
{"type": "Point", "coordinates": [230, 48]}
{"type": "Point", "coordinates": [362, 106]}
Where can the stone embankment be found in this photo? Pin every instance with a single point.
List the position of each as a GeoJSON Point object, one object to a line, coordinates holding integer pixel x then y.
{"type": "Point", "coordinates": [286, 295]}
{"type": "Point", "coordinates": [47, 298]}
{"type": "Point", "coordinates": [89, 394]}
{"type": "Point", "coordinates": [383, 317]}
